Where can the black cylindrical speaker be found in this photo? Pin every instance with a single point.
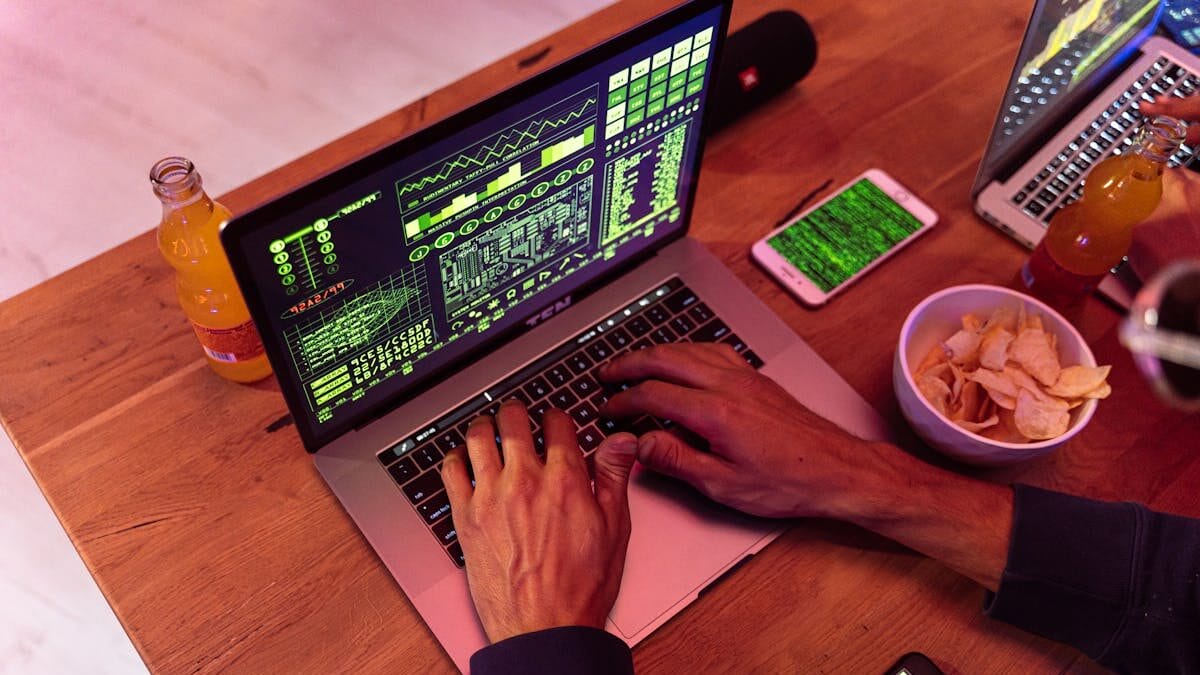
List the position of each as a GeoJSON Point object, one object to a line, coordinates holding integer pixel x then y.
{"type": "Point", "coordinates": [759, 61]}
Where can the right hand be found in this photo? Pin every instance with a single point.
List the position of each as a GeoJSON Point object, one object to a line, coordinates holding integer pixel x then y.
{"type": "Point", "coordinates": [770, 455]}
{"type": "Point", "coordinates": [1186, 109]}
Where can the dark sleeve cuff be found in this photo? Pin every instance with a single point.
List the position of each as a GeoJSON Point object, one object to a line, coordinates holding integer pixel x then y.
{"type": "Point", "coordinates": [1068, 575]}
{"type": "Point", "coordinates": [570, 649]}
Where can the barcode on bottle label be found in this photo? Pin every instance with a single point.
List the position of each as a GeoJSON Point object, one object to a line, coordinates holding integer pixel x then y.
{"type": "Point", "coordinates": [220, 356]}
{"type": "Point", "coordinates": [229, 345]}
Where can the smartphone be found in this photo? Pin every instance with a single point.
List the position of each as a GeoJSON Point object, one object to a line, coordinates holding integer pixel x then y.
{"type": "Point", "coordinates": [914, 663]}
{"type": "Point", "coordinates": [842, 237]}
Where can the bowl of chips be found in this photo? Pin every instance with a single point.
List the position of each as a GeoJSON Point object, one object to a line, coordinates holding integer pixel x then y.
{"type": "Point", "coordinates": [990, 376]}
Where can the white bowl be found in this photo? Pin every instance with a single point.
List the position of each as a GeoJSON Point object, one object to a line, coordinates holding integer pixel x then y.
{"type": "Point", "coordinates": [937, 318]}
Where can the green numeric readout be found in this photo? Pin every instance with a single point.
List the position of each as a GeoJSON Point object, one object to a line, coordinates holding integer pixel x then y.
{"type": "Point", "coordinates": [845, 234]}
{"type": "Point", "coordinates": [305, 258]}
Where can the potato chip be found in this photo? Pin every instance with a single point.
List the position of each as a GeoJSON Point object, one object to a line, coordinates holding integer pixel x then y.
{"type": "Point", "coordinates": [971, 401]}
{"type": "Point", "coordinates": [987, 407]}
{"type": "Point", "coordinates": [963, 347]}
{"type": "Point", "coordinates": [1024, 381]}
{"type": "Point", "coordinates": [1004, 317]}
{"type": "Point", "coordinates": [995, 382]}
{"type": "Point", "coordinates": [1006, 430]}
{"type": "Point", "coordinates": [935, 391]}
{"type": "Point", "coordinates": [956, 384]}
{"type": "Point", "coordinates": [941, 371]}
{"type": "Point", "coordinates": [993, 348]}
{"type": "Point", "coordinates": [976, 427]}
{"type": "Point", "coordinates": [1037, 420]}
{"type": "Point", "coordinates": [1032, 350]}
{"type": "Point", "coordinates": [1032, 322]}
{"type": "Point", "coordinates": [1002, 378]}
{"type": "Point", "coordinates": [936, 356]}
{"type": "Point", "coordinates": [1076, 381]}
{"type": "Point", "coordinates": [1002, 400]}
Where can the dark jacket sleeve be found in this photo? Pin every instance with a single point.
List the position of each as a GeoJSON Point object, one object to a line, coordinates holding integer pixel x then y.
{"type": "Point", "coordinates": [571, 649]}
{"type": "Point", "coordinates": [1116, 580]}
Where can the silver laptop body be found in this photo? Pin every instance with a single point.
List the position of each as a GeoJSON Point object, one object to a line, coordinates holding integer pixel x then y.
{"type": "Point", "coordinates": [1082, 71]}
{"type": "Point", "coordinates": [679, 543]}
{"type": "Point", "coordinates": [348, 348]}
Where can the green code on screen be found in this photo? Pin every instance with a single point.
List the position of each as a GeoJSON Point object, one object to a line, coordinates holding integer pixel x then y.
{"type": "Point", "coordinates": [845, 234]}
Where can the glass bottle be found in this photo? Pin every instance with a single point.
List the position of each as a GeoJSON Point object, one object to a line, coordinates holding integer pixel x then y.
{"type": "Point", "coordinates": [1088, 237]}
{"type": "Point", "coordinates": [188, 239]}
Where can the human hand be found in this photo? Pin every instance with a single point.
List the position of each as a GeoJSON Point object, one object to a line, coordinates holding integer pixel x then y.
{"type": "Point", "coordinates": [542, 549]}
{"type": "Point", "coordinates": [770, 455]}
{"type": "Point", "coordinates": [1186, 109]}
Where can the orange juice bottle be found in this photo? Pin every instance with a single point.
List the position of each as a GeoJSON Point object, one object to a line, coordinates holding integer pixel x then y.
{"type": "Point", "coordinates": [207, 291]}
{"type": "Point", "coordinates": [1087, 238]}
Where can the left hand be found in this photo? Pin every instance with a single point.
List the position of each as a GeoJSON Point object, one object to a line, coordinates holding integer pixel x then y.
{"type": "Point", "coordinates": [542, 549]}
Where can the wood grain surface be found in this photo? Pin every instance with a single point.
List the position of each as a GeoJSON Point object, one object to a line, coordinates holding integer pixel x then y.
{"type": "Point", "coordinates": [221, 550]}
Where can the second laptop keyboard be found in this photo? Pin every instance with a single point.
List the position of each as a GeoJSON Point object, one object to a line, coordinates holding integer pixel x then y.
{"type": "Point", "coordinates": [563, 379]}
{"type": "Point", "coordinates": [1112, 132]}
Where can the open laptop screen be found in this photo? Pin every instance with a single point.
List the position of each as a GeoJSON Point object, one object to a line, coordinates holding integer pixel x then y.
{"type": "Point", "coordinates": [369, 281]}
{"type": "Point", "coordinates": [1065, 46]}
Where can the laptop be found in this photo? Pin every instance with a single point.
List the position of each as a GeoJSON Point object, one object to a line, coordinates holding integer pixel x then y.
{"type": "Point", "coordinates": [503, 253]}
{"type": "Point", "coordinates": [1083, 69]}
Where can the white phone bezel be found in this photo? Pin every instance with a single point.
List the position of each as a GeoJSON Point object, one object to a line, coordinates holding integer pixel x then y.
{"type": "Point", "coordinates": [804, 288]}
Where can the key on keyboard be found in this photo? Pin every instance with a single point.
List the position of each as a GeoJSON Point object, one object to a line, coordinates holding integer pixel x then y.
{"type": "Point", "coordinates": [1110, 133]}
{"type": "Point", "coordinates": [562, 379]}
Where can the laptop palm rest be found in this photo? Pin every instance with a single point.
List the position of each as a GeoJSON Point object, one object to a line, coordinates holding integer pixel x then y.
{"type": "Point", "coordinates": [680, 543]}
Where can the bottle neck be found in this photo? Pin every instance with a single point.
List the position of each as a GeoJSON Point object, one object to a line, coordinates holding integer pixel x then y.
{"type": "Point", "coordinates": [1159, 139]}
{"type": "Point", "coordinates": [178, 186]}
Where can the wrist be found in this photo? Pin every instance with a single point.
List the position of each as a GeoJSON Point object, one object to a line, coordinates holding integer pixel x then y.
{"type": "Point", "coordinates": [963, 522]}
{"type": "Point", "coordinates": [875, 487]}
{"type": "Point", "coordinates": [531, 615]}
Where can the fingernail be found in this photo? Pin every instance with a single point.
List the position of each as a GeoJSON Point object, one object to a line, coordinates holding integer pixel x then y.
{"type": "Point", "coordinates": [625, 445]}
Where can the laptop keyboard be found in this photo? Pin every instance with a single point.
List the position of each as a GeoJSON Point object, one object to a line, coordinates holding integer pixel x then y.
{"type": "Point", "coordinates": [561, 379]}
{"type": "Point", "coordinates": [1111, 133]}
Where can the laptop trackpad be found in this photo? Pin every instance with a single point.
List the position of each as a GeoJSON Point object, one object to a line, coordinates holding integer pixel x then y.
{"type": "Point", "coordinates": [680, 542]}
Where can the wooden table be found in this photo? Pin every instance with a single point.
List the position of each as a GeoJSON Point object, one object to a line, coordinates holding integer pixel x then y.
{"type": "Point", "coordinates": [221, 550]}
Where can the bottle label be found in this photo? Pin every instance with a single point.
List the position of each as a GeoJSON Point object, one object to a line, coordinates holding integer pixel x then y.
{"type": "Point", "coordinates": [230, 345]}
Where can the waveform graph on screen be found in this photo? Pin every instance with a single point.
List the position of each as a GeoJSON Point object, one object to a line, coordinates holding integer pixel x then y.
{"type": "Point", "coordinates": [324, 345]}
{"type": "Point", "coordinates": [433, 198]}
{"type": "Point", "coordinates": [533, 244]}
{"type": "Point", "coordinates": [643, 184]}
